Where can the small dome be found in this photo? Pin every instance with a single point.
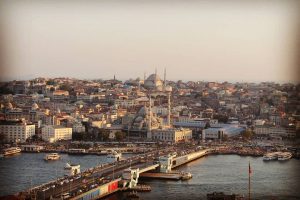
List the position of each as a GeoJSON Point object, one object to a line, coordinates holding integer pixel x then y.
{"type": "Point", "coordinates": [139, 119]}
{"type": "Point", "coordinates": [143, 111]}
{"type": "Point", "coordinates": [168, 88]}
{"type": "Point", "coordinates": [34, 106]}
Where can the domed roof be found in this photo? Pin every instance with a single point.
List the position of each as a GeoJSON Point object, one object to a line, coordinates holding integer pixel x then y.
{"type": "Point", "coordinates": [153, 77]}
{"type": "Point", "coordinates": [153, 81]}
{"type": "Point", "coordinates": [142, 111]}
{"type": "Point", "coordinates": [139, 119]}
{"type": "Point", "coordinates": [168, 88]}
{"type": "Point", "coordinates": [34, 106]}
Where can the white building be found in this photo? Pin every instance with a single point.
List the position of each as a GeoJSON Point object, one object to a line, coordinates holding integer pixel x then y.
{"type": "Point", "coordinates": [125, 103]}
{"type": "Point", "coordinates": [172, 134]}
{"type": "Point", "coordinates": [218, 131]}
{"type": "Point", "coordinates": [274, 131]}
{"type": "Point", "coordinates": [55, 133]}
{"type": "Point", "coordinates": [16, 131]}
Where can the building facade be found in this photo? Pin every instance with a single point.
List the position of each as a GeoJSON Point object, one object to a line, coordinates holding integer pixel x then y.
{"type": "Point", "coordinates": [16, 131]}
{"type": "Point", "coordinates": [172, 134]}
{"type": "Point", "coordinates": [56, 133]}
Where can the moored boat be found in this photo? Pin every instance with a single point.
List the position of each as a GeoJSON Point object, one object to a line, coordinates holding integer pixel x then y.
{"type": "Point", "coordinates": [186, 176]}
{"type": "Point", "coordinates": [284, 156]}
{"type": "Point", "coordinates": [270, 156]}
{"type": "Point", "coordinates": [11, 151]}
{"type": "Point", "coordinates": [114, 156]}
{"type": "Point", "coordinates": [77, 151]}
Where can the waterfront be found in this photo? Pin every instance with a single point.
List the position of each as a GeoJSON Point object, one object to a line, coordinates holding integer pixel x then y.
{"type": "Point", "coordinates": [227, 173]}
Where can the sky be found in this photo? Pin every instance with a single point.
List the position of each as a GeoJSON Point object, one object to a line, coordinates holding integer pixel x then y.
{"type": "Point", "coordinates": [213, 40]}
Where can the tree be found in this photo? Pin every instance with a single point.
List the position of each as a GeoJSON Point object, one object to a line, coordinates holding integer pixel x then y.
{"type": "Point", "coordinates": [120, 135]}
{"type": "Point", "coordinates": [78, 136]}
{"type": "Point", "coordinates": [103, 135]}
{"type": "Point", "coordinates": [66, 87]}
{"type": "Point", "coordinates": [50, 82]}
{"type": "Point", "coordinates": [5, 90]}
{"type": "Point", "coordinates": [225, 137]}
{"type": "Point", "coordinates": [247, 134]}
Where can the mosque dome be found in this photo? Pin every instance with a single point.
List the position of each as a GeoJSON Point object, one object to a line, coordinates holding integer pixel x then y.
{"type": "Point", "coordinates": [153, 81]}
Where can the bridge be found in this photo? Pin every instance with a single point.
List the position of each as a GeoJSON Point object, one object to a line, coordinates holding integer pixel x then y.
{"type": "Point", "coordinates": [108, 178]}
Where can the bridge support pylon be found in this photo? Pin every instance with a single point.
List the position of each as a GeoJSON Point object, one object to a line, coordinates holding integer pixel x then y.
{"type": "Point", "coordinates": [132, 176]}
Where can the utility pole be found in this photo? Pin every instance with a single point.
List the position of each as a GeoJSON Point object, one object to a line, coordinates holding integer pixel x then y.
{"type": "Point", "coordinates": [249, 185]}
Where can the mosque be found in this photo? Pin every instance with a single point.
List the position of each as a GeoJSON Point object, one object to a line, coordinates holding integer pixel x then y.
{"type": "Point", "coordinates": [154, 83]}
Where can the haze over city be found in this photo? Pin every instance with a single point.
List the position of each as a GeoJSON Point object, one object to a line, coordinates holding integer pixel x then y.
{"type": "Point", "coordinates": [212, 41]}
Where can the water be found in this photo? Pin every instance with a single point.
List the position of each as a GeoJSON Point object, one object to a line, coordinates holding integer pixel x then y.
{"type": "Point", "coordinates": [223, 173]}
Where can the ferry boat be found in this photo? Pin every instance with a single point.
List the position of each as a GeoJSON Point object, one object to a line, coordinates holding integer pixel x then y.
{"type": "Point", "coordinates": [73, 169]}
{"type": "Point", "coordinates": [114, 156]}
{"type": "Point", "coordinates": [284, 156]}
{"type": "Point", "coordinates": [270, 156]}
{"type": "Point", "coordinates": [11, 151]}
{"type": "Point", "coordinates": [52, 156]}
{"type": "Point", "coordinates": [69, 166]}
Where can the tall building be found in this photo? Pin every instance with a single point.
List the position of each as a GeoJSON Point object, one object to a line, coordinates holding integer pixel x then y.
{"type": "Point", "coordinates": [16, 131]}
{"type": "Point", "coordinates": [52, 133]}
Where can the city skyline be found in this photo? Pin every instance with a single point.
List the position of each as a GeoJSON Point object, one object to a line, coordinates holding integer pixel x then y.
{"type": "Point", "coordinates": [209, 41]}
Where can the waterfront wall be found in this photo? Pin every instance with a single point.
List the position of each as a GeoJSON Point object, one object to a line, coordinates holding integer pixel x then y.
{"type": "Point", "coordinates": [187, 158]}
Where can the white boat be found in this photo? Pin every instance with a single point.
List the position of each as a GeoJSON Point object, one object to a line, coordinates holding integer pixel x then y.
{"type": "Point", "coordinates": [69, 166]}
{"type": "Point", "coordinates": [186, 176]}
{"type": "Point", "coordinates": [11, 151]}
{"type": "Point", "coordinates": [73, 169]}
{"type": "Point", "coordinates": [284, 156]}
{"type": "Point", "coordinates": [52, 156]}
{"type": "Point", "coordinates": [270, 156]}
{"type": "Point", "coordinates": [114, 156]}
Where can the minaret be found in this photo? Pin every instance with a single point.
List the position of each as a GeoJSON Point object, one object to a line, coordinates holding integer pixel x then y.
{"type": "Point", "coordinates": [149, 135]}
{"type": "Point", "coordinates": [169, 109]}
{"type": "Point", "coordinates": [165, 74]}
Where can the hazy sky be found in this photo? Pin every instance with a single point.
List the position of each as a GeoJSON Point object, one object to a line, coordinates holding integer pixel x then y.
{"type": "Point", "coordinates": [194, 40]}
